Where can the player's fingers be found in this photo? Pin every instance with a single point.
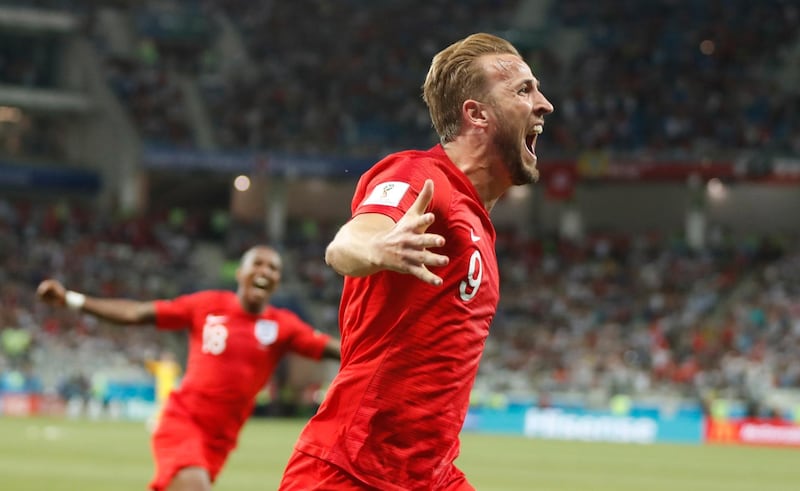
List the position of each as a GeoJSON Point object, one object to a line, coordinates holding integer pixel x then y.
{"type": "Point", "coordinates": [416, 224]}
{"type": "Point", "coordinates": [50, 291]}
{"type": "Point", "coordinates": [425, 275]}
{"type": "Point", "coordinates": [43, 289]}
{"type": "Point", "coordinates": [423, 259]}
{"type": "Point", "coordinates": [419, 224]}
{"type": "Point", "coordinates": [423, 199]}
{"type": "Point", "coordinates": [425, 241]}
{"type": "Point", "coordinates": [437, 260]}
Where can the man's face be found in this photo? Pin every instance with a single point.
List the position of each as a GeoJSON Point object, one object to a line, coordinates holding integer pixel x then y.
{"type": "Point", "coordinates": [519, 109]}
{"type": "Point", "coordinates": [259, 275]}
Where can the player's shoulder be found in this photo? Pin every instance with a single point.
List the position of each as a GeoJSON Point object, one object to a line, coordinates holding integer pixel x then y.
{"type": "Point", "coordinates": [409, 166]}
{"type": "Point", "coordinates": [390, 179]}
{"type": "Point", "coordinates": [287, 319]}
{"type": "Point", "coordinates": [280, 313]}
{"type": "Point", "coordinates": [207, 296]}
{"type": "Point", "coordinates": [429, 159]}
{"type": "Point", "coordinates": [215, 293]}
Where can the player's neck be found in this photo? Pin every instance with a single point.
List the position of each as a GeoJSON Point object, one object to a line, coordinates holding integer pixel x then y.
{"type": "Point", "coordinates": [252, 308]}
{"type": "Point", "coordinates": [479, 167]}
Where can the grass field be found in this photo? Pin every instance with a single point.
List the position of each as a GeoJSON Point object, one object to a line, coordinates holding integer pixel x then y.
{"type": "Point", "coordinates": [61, 455]}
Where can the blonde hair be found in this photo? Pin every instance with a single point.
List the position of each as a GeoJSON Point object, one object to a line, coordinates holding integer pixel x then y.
{"type": "Point", "coordinates": [455, 76]}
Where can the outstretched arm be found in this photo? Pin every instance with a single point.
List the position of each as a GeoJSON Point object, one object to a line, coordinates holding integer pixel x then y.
{"type": "Point", "coordinates": [372, 242]}
{"type": "Point", "coordinates": [116, 310]}
{"type": "Point", "coordinates": [333, 349]}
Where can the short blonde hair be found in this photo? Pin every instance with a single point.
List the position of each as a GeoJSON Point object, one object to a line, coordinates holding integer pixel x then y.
{"type": "Point", "coordinates": [455, 76]}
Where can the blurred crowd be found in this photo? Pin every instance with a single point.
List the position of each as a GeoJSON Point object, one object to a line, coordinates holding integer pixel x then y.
{"type": "Point", "coordinates": [614, 314]}
{"type": "Point", "coordinates": [57, 349]}
{"type": "Point", "coordinates": [639, 315]}
{"type": "Point", "coordinates": [646, 316]}
{"type": "Point", "coordinates": [667, 78]}
{"type": "Point", "coordinates": [690, 79]}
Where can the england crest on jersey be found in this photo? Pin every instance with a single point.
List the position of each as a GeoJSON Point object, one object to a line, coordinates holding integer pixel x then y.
{"type": "Point", "coordinates": [266, 331]}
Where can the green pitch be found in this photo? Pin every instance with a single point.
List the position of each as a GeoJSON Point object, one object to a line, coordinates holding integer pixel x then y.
{"type": "Point", "coordinates": [62, 455]}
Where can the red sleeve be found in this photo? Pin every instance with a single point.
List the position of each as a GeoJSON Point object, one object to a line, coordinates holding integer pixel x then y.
{"type": "Point", "coordinates": [305, 340]}
{"type": "Point", "coordinates": [177, 313]}
{"type": "Point", "coordinates": [393, 185]}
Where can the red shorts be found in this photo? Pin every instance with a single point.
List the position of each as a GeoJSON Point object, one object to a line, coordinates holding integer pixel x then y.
{"type": "Point", "coordinates": [179, 443]}
{"type": "Point", "coordinates": [308, 473]}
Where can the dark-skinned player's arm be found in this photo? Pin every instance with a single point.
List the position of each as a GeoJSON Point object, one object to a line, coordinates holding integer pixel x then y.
{"type": "Point", "coordinates": [332, 350]}
{"type": "Point", "coordinates": [372, 242]}
{"type": "Point", "coordinates": [116, 310]}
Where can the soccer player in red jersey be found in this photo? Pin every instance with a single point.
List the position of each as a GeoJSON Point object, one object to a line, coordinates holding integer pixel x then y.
{"type": "Point", "coordinates": [421, 281]}
{"type": "Point", "coordinates": [235, 342]}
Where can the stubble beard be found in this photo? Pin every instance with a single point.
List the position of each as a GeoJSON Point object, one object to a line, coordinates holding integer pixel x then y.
{"type": "Point", "coordinates": [511, 152]}
{"type": "Point", "coordinates": [510, 146]}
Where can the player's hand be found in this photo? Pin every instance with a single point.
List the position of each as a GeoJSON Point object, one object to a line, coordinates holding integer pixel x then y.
{"type": "Point", "coordinates": [51, 292]}
{"type": "Point", "coordinates": [406, 244]}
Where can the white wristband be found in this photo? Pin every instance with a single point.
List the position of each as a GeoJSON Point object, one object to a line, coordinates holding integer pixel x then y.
{"type": "Point", "coordinates": [74, 300]}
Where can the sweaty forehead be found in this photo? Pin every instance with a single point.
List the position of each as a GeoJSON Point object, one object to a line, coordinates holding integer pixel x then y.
{"type": "Point", "coordinates": [506, 67]}
{"type": "Point", "coordinates": [262, 255]}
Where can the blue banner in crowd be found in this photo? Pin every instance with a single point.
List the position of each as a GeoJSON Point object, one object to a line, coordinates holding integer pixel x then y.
{"type": "Point", "coordinates": [586, 425]}
{"type": "Point", "coordinates": [245, 162]}
{"type": "Point", "coordinates": [16, 176]}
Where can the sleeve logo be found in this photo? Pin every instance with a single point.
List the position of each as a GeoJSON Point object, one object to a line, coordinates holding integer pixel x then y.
{"type": "Point", "coordinates": [387, 193]}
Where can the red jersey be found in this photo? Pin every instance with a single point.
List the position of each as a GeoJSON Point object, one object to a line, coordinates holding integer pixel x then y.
{"type": "Point", "coordinates": [232, 354]}
{"type": "Point", "coordinates": [410, 351]}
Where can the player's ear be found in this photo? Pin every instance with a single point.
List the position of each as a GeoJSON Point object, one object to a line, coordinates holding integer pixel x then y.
{"type": "Point", "coordinates": [475, 113]}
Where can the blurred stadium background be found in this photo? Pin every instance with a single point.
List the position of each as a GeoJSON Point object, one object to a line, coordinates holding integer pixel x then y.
{"type": "Point", "coordinates": [650, 280]}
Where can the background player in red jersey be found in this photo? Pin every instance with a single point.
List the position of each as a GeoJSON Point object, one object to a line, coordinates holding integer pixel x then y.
{"type": "Point", "coordinates": [235, 342]}
{"type": "Point", "coordinates": [421, 281]}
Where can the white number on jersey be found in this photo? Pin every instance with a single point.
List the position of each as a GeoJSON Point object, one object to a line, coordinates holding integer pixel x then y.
{"type": "Point", "coordinates": [469, 287]}
{"type": "Point", "coordinates": [215, 334]}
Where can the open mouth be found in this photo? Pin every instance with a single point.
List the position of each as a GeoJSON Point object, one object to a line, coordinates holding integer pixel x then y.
{"type": "Point", "coordinates": [261, 282]}
{"type": "Point", "coordinates": [530, 139]}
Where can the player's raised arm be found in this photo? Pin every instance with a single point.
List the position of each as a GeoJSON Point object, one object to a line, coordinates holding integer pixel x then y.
{"type": "Point", "coordinates": [372, 242]}
{"type": "Point", "coordinates": [117, 310]}
{"type": "Point", "coordinates": [333, 349]}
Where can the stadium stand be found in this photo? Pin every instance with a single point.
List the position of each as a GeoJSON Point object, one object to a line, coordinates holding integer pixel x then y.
{"type": "Point", "coordinates": [613, 310]}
